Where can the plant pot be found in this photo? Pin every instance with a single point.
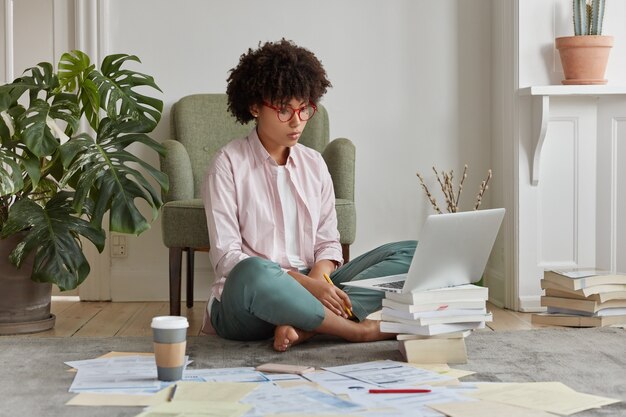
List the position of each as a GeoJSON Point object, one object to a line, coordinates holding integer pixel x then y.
{"type": "Point", "coordinates": [24, 304]}
{"type": "Point", "coordinates": [584, 58]}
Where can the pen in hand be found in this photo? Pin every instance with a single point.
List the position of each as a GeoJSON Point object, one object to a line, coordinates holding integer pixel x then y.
{"type": "Point", "coordinates": [348, 310]}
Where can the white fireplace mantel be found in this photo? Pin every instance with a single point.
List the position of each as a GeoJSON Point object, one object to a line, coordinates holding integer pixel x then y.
{"type": "Point", "coordinates": [541, 111]}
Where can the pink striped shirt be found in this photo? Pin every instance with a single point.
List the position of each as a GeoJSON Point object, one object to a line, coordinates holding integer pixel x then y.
{"type": "Point", "coordinates": [244, 212]}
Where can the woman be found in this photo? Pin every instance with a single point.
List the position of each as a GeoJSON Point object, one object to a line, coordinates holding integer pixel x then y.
{"type": "Point", "coordinates": [271, 216]}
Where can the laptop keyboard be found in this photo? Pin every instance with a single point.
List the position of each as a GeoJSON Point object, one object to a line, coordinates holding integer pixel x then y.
{"type": "Point", "coordinates": [394, 284]}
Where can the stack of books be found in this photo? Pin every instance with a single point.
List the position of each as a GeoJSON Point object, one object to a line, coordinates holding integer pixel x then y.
{"type": "Point", "coordinates": [583, 297]}
{"type": "Point", "coordinates": [432, 325]}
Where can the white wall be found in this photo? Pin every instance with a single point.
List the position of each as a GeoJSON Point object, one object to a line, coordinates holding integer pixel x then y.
{"type": "Point", "coordinates": [411, 90]}
{"type": "Point", "coordinates": [3, 49]}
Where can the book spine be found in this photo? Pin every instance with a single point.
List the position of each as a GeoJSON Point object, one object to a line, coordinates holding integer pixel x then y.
{"type": "Point", "coordinates": [433, 350]}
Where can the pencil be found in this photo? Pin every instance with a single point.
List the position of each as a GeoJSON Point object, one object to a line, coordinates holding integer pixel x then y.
{"type": "Point", "coordinates": [170, 397]}
{"type": "Point", "coordinates": [349, 311]}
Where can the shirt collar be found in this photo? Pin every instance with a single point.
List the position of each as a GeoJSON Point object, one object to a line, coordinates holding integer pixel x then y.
{"type": "Point", "coordinates": [261, 155]}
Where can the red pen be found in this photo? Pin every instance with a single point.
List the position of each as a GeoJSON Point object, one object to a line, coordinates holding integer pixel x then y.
{"type": "Point", "coordinates": [399, 391]}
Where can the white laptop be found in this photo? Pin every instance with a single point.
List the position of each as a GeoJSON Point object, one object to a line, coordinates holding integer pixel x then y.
{"type": "Point", "coordinates": [452, 250]}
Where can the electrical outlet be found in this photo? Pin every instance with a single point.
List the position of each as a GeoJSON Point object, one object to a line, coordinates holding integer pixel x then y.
{"type": "Point", "coordinates": [118, 246]}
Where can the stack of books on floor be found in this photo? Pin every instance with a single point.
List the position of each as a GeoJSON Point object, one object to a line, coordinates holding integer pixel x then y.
{"type": "Point", "coordinates": [583, 297]}
{"type": "Point", "coordinates": [432, 325]}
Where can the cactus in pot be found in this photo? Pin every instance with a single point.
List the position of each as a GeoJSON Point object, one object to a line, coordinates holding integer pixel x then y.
{"type": "Point", "coordinates": [585, 55]}
{"type": "Point", "coordinates": [588, 17]}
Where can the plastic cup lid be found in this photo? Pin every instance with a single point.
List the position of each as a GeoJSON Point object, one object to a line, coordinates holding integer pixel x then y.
{"type": "Point", "coordinates": [170, 322]}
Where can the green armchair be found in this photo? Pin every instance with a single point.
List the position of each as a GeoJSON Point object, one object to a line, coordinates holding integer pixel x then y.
{"type": "Point", "coordinates": [200, 125]}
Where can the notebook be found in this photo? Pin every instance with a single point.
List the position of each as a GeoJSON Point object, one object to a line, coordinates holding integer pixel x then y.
{"type": "Point", "coordinates": [452, 250]}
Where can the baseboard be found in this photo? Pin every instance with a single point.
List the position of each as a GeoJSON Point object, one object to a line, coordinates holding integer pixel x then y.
{"type": "Point", "coordinates": [531, 304]}
{"type": "Point", "coordinates": [496, 303]}
{"type": "Point", "coordinates": [497, 287]}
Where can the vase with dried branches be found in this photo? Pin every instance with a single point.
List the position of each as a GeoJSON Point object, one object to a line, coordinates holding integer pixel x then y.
{"type": "Point", "coordinates": [452, 196]}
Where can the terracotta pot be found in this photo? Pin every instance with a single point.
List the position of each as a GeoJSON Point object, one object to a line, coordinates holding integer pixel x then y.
{"type": "Point", "coordinates": [584, 58]}
{"type": "Point", "coordinates": [24, 304]}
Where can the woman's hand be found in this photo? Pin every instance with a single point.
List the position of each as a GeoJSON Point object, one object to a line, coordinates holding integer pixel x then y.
{"type": "Point", "coordinates": [330, 296]}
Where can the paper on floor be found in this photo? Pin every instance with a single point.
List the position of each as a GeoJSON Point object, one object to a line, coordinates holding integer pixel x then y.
{"type": "Point", "coordinates": [553, 397]}
{"type": "Point", "coordinates": [213, 391]}
{"type": "Point", "coordinates": [415, 402]}
{"type": "Point", "coordinates": [388, 373]}
{"type": "Point", "coordinates": [120, 400]}
{"type": "Point", "coordinates": [196, 409]}
{"type": "Point", "coordinates": [486, 409]}
{"type": "Point", "coordinates": [270, 399]}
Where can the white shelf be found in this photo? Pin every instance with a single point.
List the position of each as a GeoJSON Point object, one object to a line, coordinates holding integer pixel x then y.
{"type": "Point", "coordinates": [572, 90]}
{"type": "Point", "coordinates": [541, 111]}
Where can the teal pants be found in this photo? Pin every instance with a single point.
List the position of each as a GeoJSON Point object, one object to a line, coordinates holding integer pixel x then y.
{"type": "Point", "coordinates": [258, 295]}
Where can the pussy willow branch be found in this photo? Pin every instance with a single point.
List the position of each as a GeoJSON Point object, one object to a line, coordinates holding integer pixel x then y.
{"type": "Point", "coordinates": [483, 187]}
{"type": "Point", "coordinates": [446, 190]}
{"type": "Point", "coordinates": [446, 182]}
{"type": "Point", "coordinates": [458, 195]}
{"type": "Point", "coordinates": [443, 183]}
{"type": "Point", "coordinates": [430, 197]}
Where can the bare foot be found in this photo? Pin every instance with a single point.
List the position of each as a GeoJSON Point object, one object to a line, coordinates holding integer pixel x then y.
{"type": "Point", "coordinates": [370, 332]}
{"type": "Point", "coordinates": [286, 336]}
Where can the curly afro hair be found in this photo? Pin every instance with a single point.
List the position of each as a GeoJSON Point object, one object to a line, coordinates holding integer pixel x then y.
{"type": "Point", "coordinates": [275, 72]}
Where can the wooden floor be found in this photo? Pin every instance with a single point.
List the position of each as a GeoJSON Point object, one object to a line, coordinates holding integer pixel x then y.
{"type": "Point", "coordinates": [105, 319]}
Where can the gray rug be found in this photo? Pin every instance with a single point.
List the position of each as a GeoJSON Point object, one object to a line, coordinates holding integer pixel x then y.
{"type": "Point", "coordinates": [34, 381]}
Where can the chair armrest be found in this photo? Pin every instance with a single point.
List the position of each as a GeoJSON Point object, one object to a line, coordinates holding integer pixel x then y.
{"type": "Point", "coordinates": [177, 166]}
{"type": "Point", "coordinates": [339, 155]}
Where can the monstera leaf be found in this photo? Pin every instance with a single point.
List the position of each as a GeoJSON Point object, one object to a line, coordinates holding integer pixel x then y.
{"type": "Point", "coordinates": [104, 171]}
{"type": "Point", "coordinates": [36, 133]}
{"type": "Point", "coordinates": [113, 89]}
{"type": "Point", "coordinates": [53, 233]}
{"type": "Point", "coordinates": [74, 70]}
{"type": "Point", "coordinates": [118, 97]}
{"type": "Point", "coordinates": [10, 173]}
{"type": "Point", "coordinates": [39, 78]}
{"type": "Point", "coordinates": [37, 124]}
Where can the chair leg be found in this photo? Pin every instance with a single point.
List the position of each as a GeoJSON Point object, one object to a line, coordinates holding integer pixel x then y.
{"type": "Point", "coordinates": [176, 258]}
{"type": "Point", "coordinates": [190, 265]}
{"type": "Point", "coordinates": [345, 251]}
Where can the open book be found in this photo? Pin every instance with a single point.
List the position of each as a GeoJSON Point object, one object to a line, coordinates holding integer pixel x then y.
{"type": "Point", "coordinates": [578, 278]}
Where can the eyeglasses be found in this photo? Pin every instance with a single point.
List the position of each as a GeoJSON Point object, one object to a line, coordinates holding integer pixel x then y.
{"type": "Point", "coordinates": [286, 113]}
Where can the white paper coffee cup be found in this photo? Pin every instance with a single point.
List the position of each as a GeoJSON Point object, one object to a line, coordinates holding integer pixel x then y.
{"type": "Point", "coordinates": [170, 341]}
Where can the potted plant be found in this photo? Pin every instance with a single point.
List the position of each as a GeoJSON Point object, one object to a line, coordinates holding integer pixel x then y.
{"type": "Point", "coordinates": [584, 56]}
{"type": "Point", "coordinates": [57, 182]}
